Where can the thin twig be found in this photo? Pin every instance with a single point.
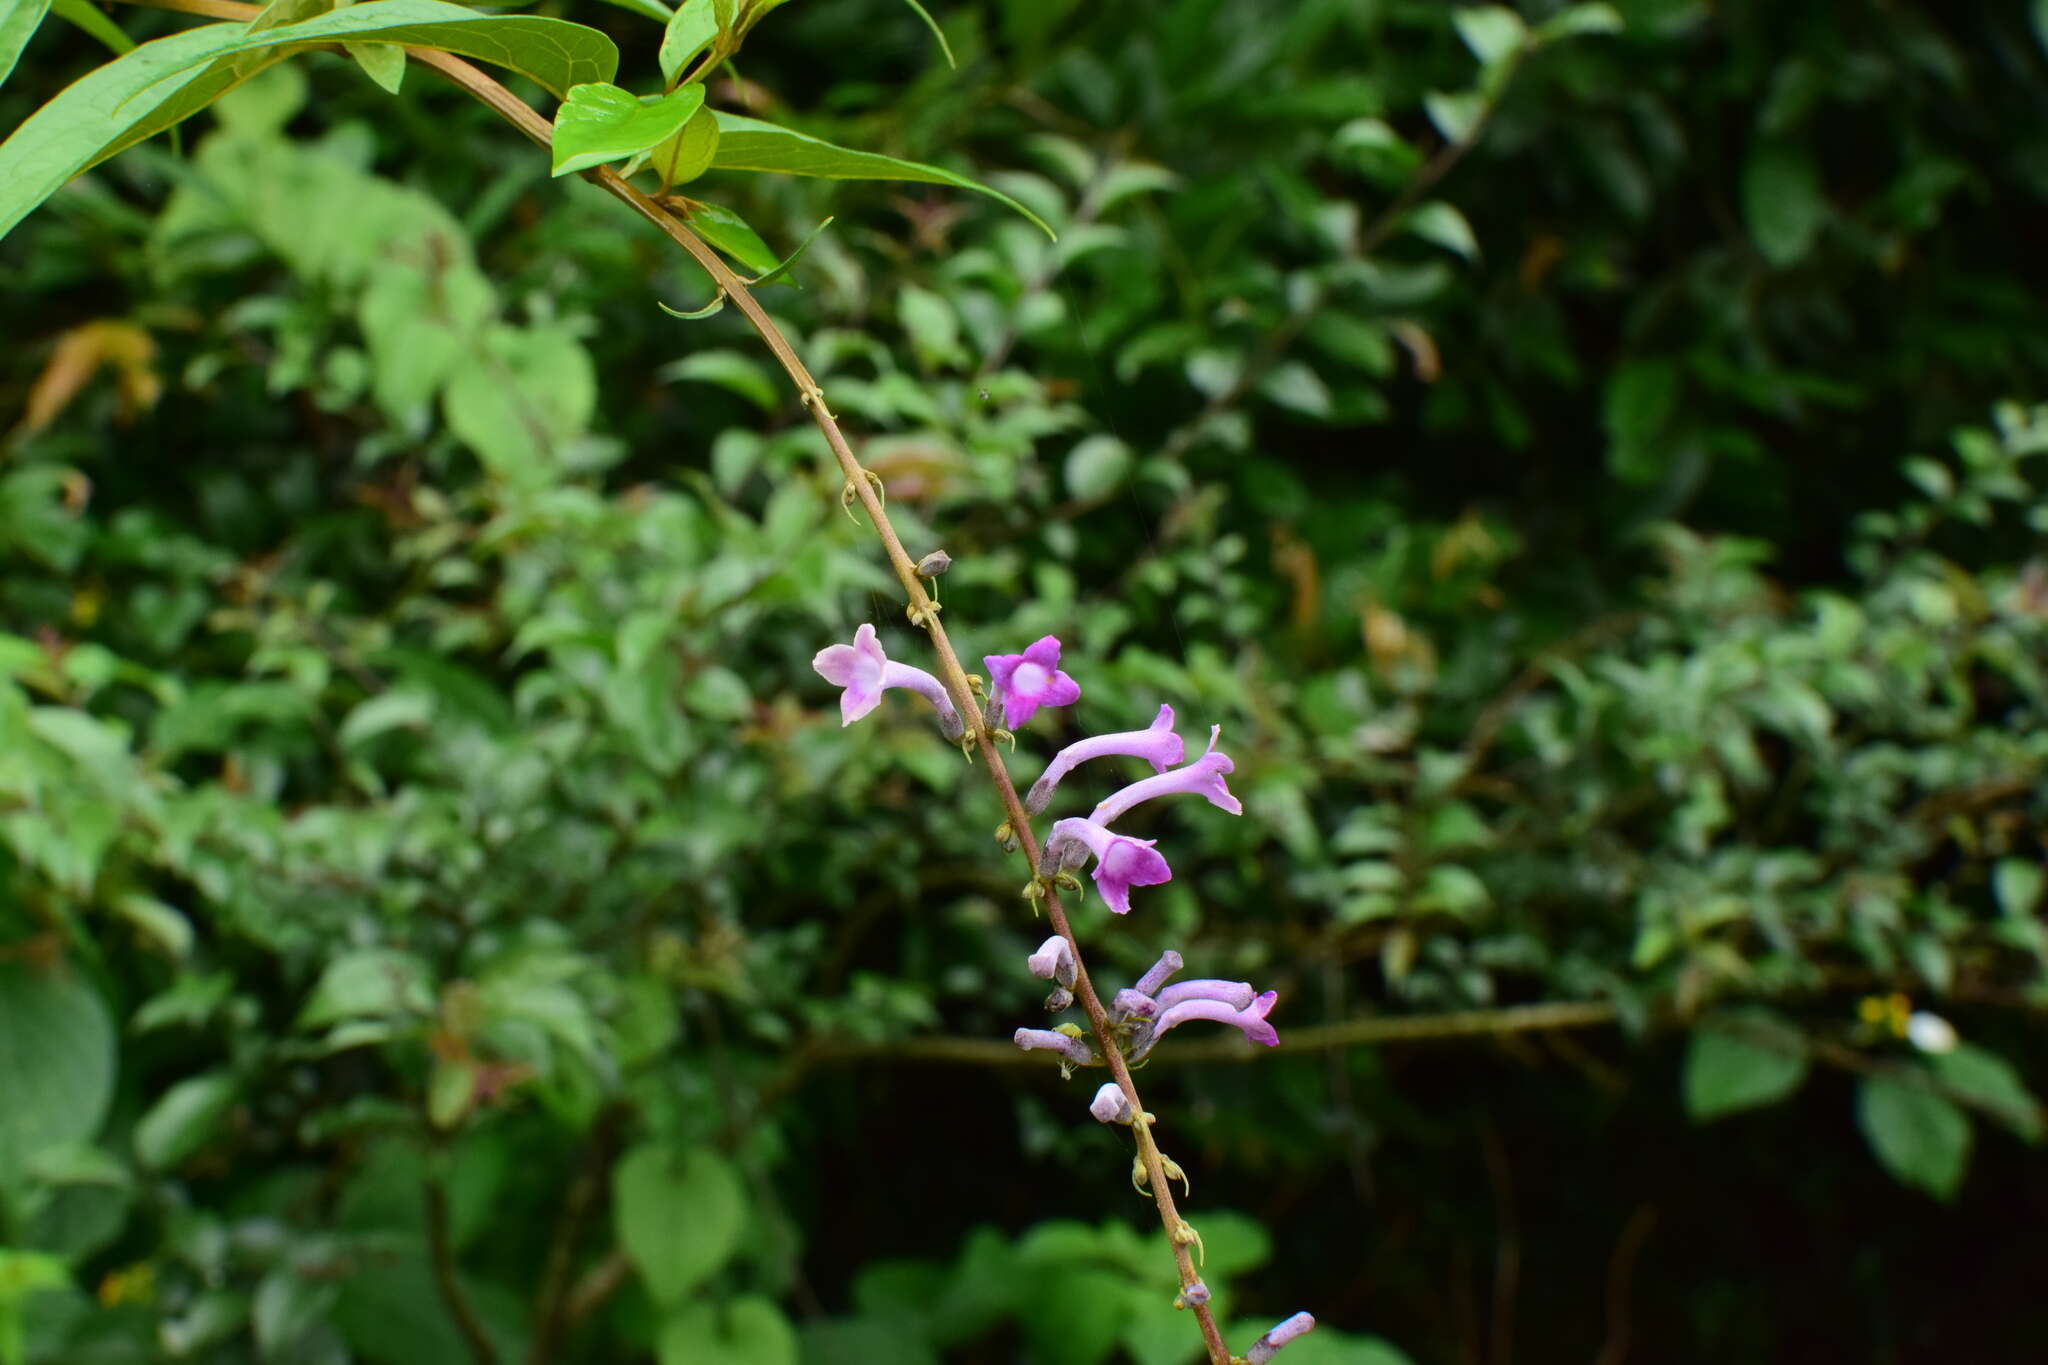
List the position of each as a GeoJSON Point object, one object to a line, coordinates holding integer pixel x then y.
{"type": "Point", "coordinates": [448, 1276]}
{"type": "Point", "coordinates": [1620, 1275]}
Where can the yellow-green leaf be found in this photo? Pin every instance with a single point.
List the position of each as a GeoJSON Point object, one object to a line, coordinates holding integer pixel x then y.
{"type": "Point", "coordinates": [601, 123]}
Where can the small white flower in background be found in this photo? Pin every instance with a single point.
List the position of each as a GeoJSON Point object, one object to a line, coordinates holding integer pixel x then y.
{"type": "Point", "coordinates": [1930, 1032]}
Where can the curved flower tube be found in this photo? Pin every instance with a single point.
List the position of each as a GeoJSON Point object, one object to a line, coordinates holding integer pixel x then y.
{"type": "Point", "coordinates": [1157, 744]}
{"type": "Point", "coordinates": [1203, 777]}
{"type": "Point", "coordinates": [865, 672]}
{"type": "Point", "coordinates": [1120, 863]}
{"type": "Point", "coordinates": [1236, 994]}
{"type": "Point", "coordinates": [1075, 1050]}
{"type": "Point", "coordinates": [1024, 682]}
{"type": "Point", "coordinates": [1251, 1019]}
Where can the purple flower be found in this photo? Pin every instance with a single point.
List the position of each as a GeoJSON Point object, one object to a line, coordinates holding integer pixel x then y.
{"type": "Point", "coordinates": [1203, 777]}
{"type": "Point", "coordinates": [1053, 961]}
{"type": "Point", "coordinates": [1236, 994]}
{"type": "Point", "coordinates": [1251, 1018]}
{"type": "Point", "coordinates": [1157, 745]}
{"type": "Point", "coordinates": [1074, 1051]}
{"type": "Point", "coordinates": [1268, 1346]}
{"type": "Point", "coordinates": [1120, 863]}
{"type": "Point", "coordinates": [865, 673]}
{"type": "Point", "coordinates": [1109, 1104]}
{"type": "Point", "coordinates": [1030, 680]}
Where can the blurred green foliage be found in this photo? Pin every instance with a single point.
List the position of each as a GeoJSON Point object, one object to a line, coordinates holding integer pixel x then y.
{"type": "Point", "coordinates": [1570, 453]}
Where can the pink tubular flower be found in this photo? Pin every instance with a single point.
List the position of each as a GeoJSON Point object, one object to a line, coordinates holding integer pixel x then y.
{"type": "Point", "coordinates": [1236, 994]}
{"type": "Point", "coordinates": [1203, 777]}
{"type": "Point", "coordinates": [1030, 680]}
{"type": "Point", "coordinates": [1074, 1051]}
{"type": "Point", "coordinates": [1157, 744]}
{"type": "Point", "coordinates": [1268, 1346]}
{"type": "Point", "coordinates": [1120, 863]}
{"type": "Point", "coordinates": [1159, 973]}
{"type": "Point", "coordinates": [1251, 1018]}
{"type": "Point", "coordinates": [1054, 961]}
{"type": "Point", "coordinates": [865, 673]}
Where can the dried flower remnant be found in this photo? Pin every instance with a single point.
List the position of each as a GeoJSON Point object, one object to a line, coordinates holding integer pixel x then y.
{"type": "Point", "coordinates": [1024, 682]}
{"type": "Point", "coordinates": [1268, 1346]}
{"type": "Point", "coordinates": [865, 672]}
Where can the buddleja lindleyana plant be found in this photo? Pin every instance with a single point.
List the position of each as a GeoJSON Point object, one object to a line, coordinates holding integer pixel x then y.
{"type": "Point", "coordinates": [1140, 1015]}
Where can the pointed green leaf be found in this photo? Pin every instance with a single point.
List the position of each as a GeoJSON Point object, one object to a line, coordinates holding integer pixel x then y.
{"type": "Point", "coordinates": [693, 27]}
{"type": "Point", "coordinates": [81, 14]}
{"type": "Point", "coordinates": [933, 25]}
{"type": "Point", "coordinates": [383, 63]}
{"type": "Point", "coordinates": [717, 305]}
{"type": "Point", "coordinates": [688, 154]}
{"type": "Point", "coordinates": [601, 123]}
{"type": "Point", "coordinates": [1595, 17]}
{"type": "Point", "coordinates": [163, 82]}
{"type": "Point", "coordinates": [801, 247]}
{"type": "Point", "coordinates": [1989, 1080]}
{"type": "Point", "coordinates": [1783, 202]}
{"type": "Point", "coordinates": [649, 9]}
{"type": "Point", "coordinates": [1920, 1137]}
{"type": "Point", "coordinates": [748, 144]}
{"type": "Point", "coordinates": [727, 231]}
{"type": "Point", "coordinates": [184, 1118]}
{"type": "Point", "coordinates": [1493, 32]}
{"type": "Point", "coordinates": [744, 1331]}
{"type": "Point", "coordinates": [19, 20]}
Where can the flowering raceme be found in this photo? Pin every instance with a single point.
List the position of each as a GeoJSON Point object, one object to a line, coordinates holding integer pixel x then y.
{"type": "Point", "coordinates": [1144, 1013]}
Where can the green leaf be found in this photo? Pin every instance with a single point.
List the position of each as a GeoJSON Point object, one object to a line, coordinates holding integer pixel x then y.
{"type": "Point", "coordinates": [1993, 1082]}
{"type": "Point", "coordinates": [1455, 116]}
{"type": "Point", "coordinates": [1442, 224]}
{"type": "Point", "coordinates": [782, 268]}
{"type": "Point", "coordinates": [383, 63]}
{"type": "Point", "coordinates": [182, 1120]}
{"type": "Point", "coordinates": [678, 1215]}
{"type": "Point", "coordinates": [368, 982]}
{"type": "Point", "coordinates": [748, 144]}
{"type": "Point", "coordinates": [164, 926]}
{"type": "Point", "coordinates": [160, 83]}
{"type": "Point", "coordinates": [1097, 467]}
{"type": "Point", "coordinates": [1493, 32]}
{"type": "Point", "coordinates": [601, 123]}
{"type": "Point", "coordinates": [688, 154]}
{"type": "Point", "coordinates": [727, 231]}
{"type": "Point", "coordinates": [1580, 19]}
{"type": "Point", "coordinates": [56, 1064]}
{"type": "Point", "coordinates": [1725, 1074]}
{"type": "Point", "coordinates": [742, 1331]}
{"type": "Point", "coordinates": [692, 28]}
{"type": "Point", "coordinates": [521, 398]}
{"type": "Point", "coordinates": [1921, 1138]}
{"type": "Point", "coordinates": [82, 15]}
{"type": "Point", "coordinates": [19, 20]}
{"type": "Point", "coordinates": [717, 305]}
{"type": "Point", "coordinates": [729, 370]}
{"type": "Point", "coordinates": [933, 25]}
{"type": "Point", "coordinates": [1782, 202]}
{"type": "Point", "coordinates": [647, 9]}
{"type": "Point", "coordinates": [2017, 885]}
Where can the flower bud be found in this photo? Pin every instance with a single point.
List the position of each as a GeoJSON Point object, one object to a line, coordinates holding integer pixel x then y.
{"type": "Point", "coordinates": [1109, 1104]}
{"type": "Point", "coordinates": [1054, 961]}
{"type": "Point", "coordinates": [1058, 1000]}
{"type": "Point", "coordinates": [934, 564]}
{"type": "Point", "coordinates": [1130, 1004]}
{"type": "Point", "coordinates": [1194, 1296]}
